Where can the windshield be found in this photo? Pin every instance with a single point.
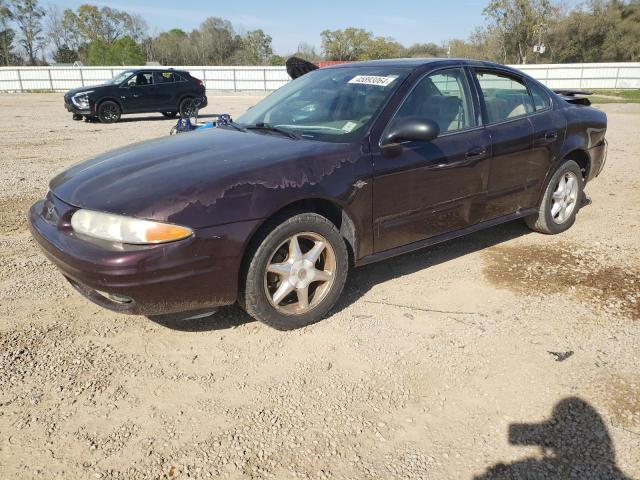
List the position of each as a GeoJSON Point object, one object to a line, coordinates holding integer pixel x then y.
{"type": "Point", "coordinates": [121, 77]}
{"type": "Point", "coordinates": [333, 105]}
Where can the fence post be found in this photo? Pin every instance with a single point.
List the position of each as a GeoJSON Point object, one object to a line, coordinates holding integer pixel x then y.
{"type": "Point", "coordinates": [50, 80]}
{"type": "Point", "coordinates": [264, 78]}
{"type": "Point", "coordinates": [20, 80]}
{"type": "Point", "coordinates": [235, 86]}
{"type": "Point", "coordinates": [81, 77]}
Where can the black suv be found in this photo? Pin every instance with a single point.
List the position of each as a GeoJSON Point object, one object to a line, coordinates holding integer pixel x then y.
{"type": "Point", "coordinates": [137, 91]}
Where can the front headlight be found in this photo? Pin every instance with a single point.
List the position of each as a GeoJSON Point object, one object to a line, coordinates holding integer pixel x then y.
{"type": "Point", "coordinates": [81, 100]}
{"type": "Point", "coordinates": [117, 228]}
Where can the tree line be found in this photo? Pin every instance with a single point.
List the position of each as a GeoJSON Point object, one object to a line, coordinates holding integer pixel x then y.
{"type": "Point", "coordinates": [597, 31]}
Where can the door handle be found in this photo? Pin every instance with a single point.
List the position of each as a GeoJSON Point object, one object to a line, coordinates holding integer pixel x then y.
{"type": "Point", "coordinates": [476, 153]}
{"type": "Point", "coordinates": [551, 135]}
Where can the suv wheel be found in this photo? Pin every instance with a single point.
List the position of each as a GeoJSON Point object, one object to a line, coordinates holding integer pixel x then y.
{"type": "Point", "coordinates": [561, 201]}
{"type": "Point", "coordinates": [295, 272]}
{"type": "Point", "coordinates": [187, 107]}
{"type": "Point", "coordinates": [109, 112]}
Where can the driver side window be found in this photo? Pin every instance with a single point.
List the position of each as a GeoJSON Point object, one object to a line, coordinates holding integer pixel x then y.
{"type": "Point", "coordinates": [141, 79]}
{"type": "Point", "coordinates": [442, 97]}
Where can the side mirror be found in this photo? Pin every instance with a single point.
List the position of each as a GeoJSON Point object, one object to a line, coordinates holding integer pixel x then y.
{"type": "Point", "coordinates": [412, 129]}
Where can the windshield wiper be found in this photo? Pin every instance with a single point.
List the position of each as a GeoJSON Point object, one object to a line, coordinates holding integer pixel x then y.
{"type": "Point", "coordinates": [234, 125]}
{"type": "Point", "coordinates": [269, 128]}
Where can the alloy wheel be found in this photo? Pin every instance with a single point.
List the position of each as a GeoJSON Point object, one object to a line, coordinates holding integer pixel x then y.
{"type": "Point", "coordinates": [300, 273]}
{"type": "Point", "coordinates": [564, 197]}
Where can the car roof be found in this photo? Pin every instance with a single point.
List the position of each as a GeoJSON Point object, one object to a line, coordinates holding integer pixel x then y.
{"type": "Point", "coordinates": [157, 69]}
{"type": "Point", "coordinates": [414, 63]}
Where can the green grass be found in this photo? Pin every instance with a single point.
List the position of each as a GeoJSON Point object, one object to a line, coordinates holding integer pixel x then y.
{"type": "Point", "coordinates": [615, 96]}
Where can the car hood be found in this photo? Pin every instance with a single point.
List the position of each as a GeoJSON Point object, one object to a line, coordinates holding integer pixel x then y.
{"type": "Point", "coordinates": [75, 91]}
{"type": "Point", "coordinates": [201, 178]}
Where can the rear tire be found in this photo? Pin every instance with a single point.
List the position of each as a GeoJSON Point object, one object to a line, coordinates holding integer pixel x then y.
{"type": "Point", "coordinates": [109, 112]}
{"type": "Point", "coordinates": [561, 201]}
{"type": "Point", "coordinates": [187, 107]}
{"type": "Point", "coordinates": [287, 287]}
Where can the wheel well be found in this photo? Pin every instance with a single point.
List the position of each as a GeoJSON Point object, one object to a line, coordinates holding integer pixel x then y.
{"type": "Point", "coordinates": [114, 100]}
{"type": "Point", "coordinates": [582, 159]}
{"type": "Point", "coordinates": [328, 209]}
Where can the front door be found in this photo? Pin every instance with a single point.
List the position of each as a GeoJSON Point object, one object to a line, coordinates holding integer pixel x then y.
{"type": "Point", "coordinates": [431, 188]}
{"type": "Point", "coordinates": [138, 94]}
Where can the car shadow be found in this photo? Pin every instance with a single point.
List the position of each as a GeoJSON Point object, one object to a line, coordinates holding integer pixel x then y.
{"type": "Point", "coordinates": [362, 279]}
{"type": "Point", "coordinates": [574, 443]}
{"type": "Point", "coordinates": [221, 319]}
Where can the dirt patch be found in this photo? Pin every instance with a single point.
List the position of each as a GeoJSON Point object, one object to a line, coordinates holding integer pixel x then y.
{"type": "Point", "coordinates": [558, 268]}
{"type": "Point", "coordinates": [622, 396]}
{"type": "Point", "coordinates": [13, 213]}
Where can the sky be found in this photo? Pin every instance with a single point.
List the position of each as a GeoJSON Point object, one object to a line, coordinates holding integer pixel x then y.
{"type": "Point", "coordinates": [291, 22]}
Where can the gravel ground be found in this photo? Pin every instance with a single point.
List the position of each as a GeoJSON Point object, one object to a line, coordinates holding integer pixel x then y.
{"type": "Point", "coordinates": [428, 368]}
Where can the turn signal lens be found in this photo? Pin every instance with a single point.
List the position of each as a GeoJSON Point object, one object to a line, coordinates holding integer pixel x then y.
{"type": "Point", "coordinates": [118, 228]}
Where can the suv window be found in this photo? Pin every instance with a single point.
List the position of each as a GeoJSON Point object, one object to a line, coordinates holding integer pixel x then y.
{"type": "Point", "coordinates": [541, 100]}
{"type": "Point", "coordinates": [161, 78]}
{"type": "Point", "coordinates": [141, 79]}
{"type": "Point", "coordinates": [442, 97]}
{"type": "Point", "coordinates": [505, 96]}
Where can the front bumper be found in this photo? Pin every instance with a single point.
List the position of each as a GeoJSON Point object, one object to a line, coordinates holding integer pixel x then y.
{"type": "Point", "coordinates": [196, 273]}
{"type": "Point", "coordinates": [69, 105]}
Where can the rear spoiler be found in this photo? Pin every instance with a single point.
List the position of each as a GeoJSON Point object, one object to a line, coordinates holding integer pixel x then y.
{"type": "Point", "coordinates": [574, 96]}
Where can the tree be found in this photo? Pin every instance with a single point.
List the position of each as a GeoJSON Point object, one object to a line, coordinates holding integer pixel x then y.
{"type": "Point", "coordinates": [170, 48]}
{"type": "Point", "coordinates": [106, 24]}
{"type": "Point", "coordinates": [521, 24]}
{"type": "Point", "coordinates": [123, 51]}
{"type": "Point", "coordinates": [277, 60]}
{"type": "Point", "coordinates": [6, 34]}
{"type": "Point", "coordinates": [381, 47]}
{"type": "Point", "coordinates": [419, 50]}
{"type": "Point", "coordinates": [347, 44]}
{"type": "Point", "coordinates": [255, 49]}
{"type": "Point", "coordinates": [214, 42]}
{"type": "Point", "coordinates": [307, 52]}
{"type": "Point", "coordinates": [605, 31]}
{"type": "Point", "coordinates": [64, 54]}
{"type": "Point", "coordinates": [28, 16]}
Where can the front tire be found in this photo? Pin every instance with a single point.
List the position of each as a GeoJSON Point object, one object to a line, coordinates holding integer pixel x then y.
{"type": "Point", "coordinates": [561, 201]}
{"type": "Point", "coordinates": [295, 272]}
{"type": "Point", "coordinates": [109, 112]}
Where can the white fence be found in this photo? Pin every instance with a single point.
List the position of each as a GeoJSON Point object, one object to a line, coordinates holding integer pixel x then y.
{"type": "Point", "coordinates": [573, 75]}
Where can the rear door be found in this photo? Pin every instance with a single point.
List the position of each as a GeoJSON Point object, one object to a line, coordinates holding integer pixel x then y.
{"type": "Point", "coordinates": [507, 107]}
{"type": "Point", "coordinates": [549, 126]}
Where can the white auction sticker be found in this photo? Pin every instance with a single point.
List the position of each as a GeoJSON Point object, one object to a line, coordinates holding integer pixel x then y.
{"type": "Point", "coordinates": [373, 80]}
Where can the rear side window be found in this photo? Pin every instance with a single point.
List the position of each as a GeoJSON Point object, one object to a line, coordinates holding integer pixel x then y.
{"type": "Point", "coordinates": [505, 97]}
{"type": "Point", "coordinates": [180, 77]}
{"type": "Point", "coordinates": [541, 100]}
{"type": "Point", "coordinates": [442, 97]}
{"type": "Point", "coordinates": [164, 77]}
